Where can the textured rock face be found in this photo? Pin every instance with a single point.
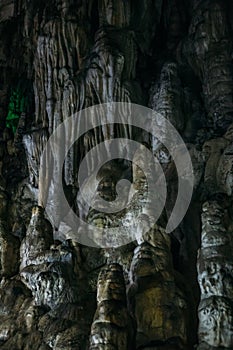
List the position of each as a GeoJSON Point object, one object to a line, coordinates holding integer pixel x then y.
{"type": "Point", "coordinates": [215, 277]}
{"type": "Point", "coordinates": [111, 325]}
{"type": "Point", "coordinates": [167, 95]}
{"type": "Point", "coordinates": [46, 272]}
{"type": "Point", "coordinates": [159, 307]}
{"type": "Point", "coordinates": [38, 238]}
{"type": "Point", "coordinates": [207, 50]}
{"type": "Point", "coordinates": [7, 10]}
{"type": "Point", "coordinates": [161, 292]}
{"type": "Point", "coordinates": [9, 251]}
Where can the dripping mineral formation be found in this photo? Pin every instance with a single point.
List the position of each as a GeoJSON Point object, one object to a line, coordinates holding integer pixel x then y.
{"type": "Point", "coordinates": [161, 291]}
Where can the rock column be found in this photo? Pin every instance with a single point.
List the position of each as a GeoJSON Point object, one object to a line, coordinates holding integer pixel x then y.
{"type": "Point", "coordinates": [111, 325]}
{"type": "Point", "coordinates": [215, 266]}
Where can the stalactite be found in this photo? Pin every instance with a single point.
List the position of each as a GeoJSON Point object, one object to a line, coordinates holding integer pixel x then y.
{"type": "Point", "coordinates": [208, 50]}
{"type": "Point", "coordinates": [34, 143]}
{"type": "Point", "coordinates": [172, 56]}
{"type": "Point", "coordinates": [166, 95]}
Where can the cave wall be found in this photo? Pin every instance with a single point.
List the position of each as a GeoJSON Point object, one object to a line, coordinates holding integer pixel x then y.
{"type": "Point", "coordinates": [164, 291]}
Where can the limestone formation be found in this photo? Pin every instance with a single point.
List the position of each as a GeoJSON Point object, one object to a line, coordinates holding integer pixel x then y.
{"type": "Point", "coordinates": [207, 49]}
{"type": "Point", "coordinates": [166, 95]}
{"type": "Point", "coordinates": [45, 270]}
{"type": "Point", "coordinates": [34, 143]}
{"type": "Point", "coordinates": [138, 208]}
{"type": "Point", "coordinates": [39, 237]}
{"type": "Point", "coordinates": [215, 277]}
{"type": "Point", "coordinates": [215, 161]}
{"type": "Point", "coordinates": [111, 327]}
{"type": "Point", "coordinates": [214, 259]}
{"type": "Point", "coordinates": [159, 307]}
{"type": "Point", "coordinates": [56, 58]}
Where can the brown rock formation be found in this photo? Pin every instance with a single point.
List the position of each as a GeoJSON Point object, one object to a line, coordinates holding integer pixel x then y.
{"type": "Point", "coordinates": [159, 307]}
{"type": "Point", "coordinates": [111, 325]}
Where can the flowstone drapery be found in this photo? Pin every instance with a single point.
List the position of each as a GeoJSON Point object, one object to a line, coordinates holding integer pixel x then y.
{"type": "Point", "coordinates": [161, 291]}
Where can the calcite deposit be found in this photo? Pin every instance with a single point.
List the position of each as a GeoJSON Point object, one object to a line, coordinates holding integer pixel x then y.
{"type": "Point", "coordinates": [161, 290]}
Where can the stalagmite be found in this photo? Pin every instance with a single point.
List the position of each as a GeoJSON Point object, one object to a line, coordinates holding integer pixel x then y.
{"type": "Point", "coordinates": [159, 307]}
{"type": "Point", "coordinates": [215, 278]}
{"type": "Point", "coordinates": [111, 325]}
